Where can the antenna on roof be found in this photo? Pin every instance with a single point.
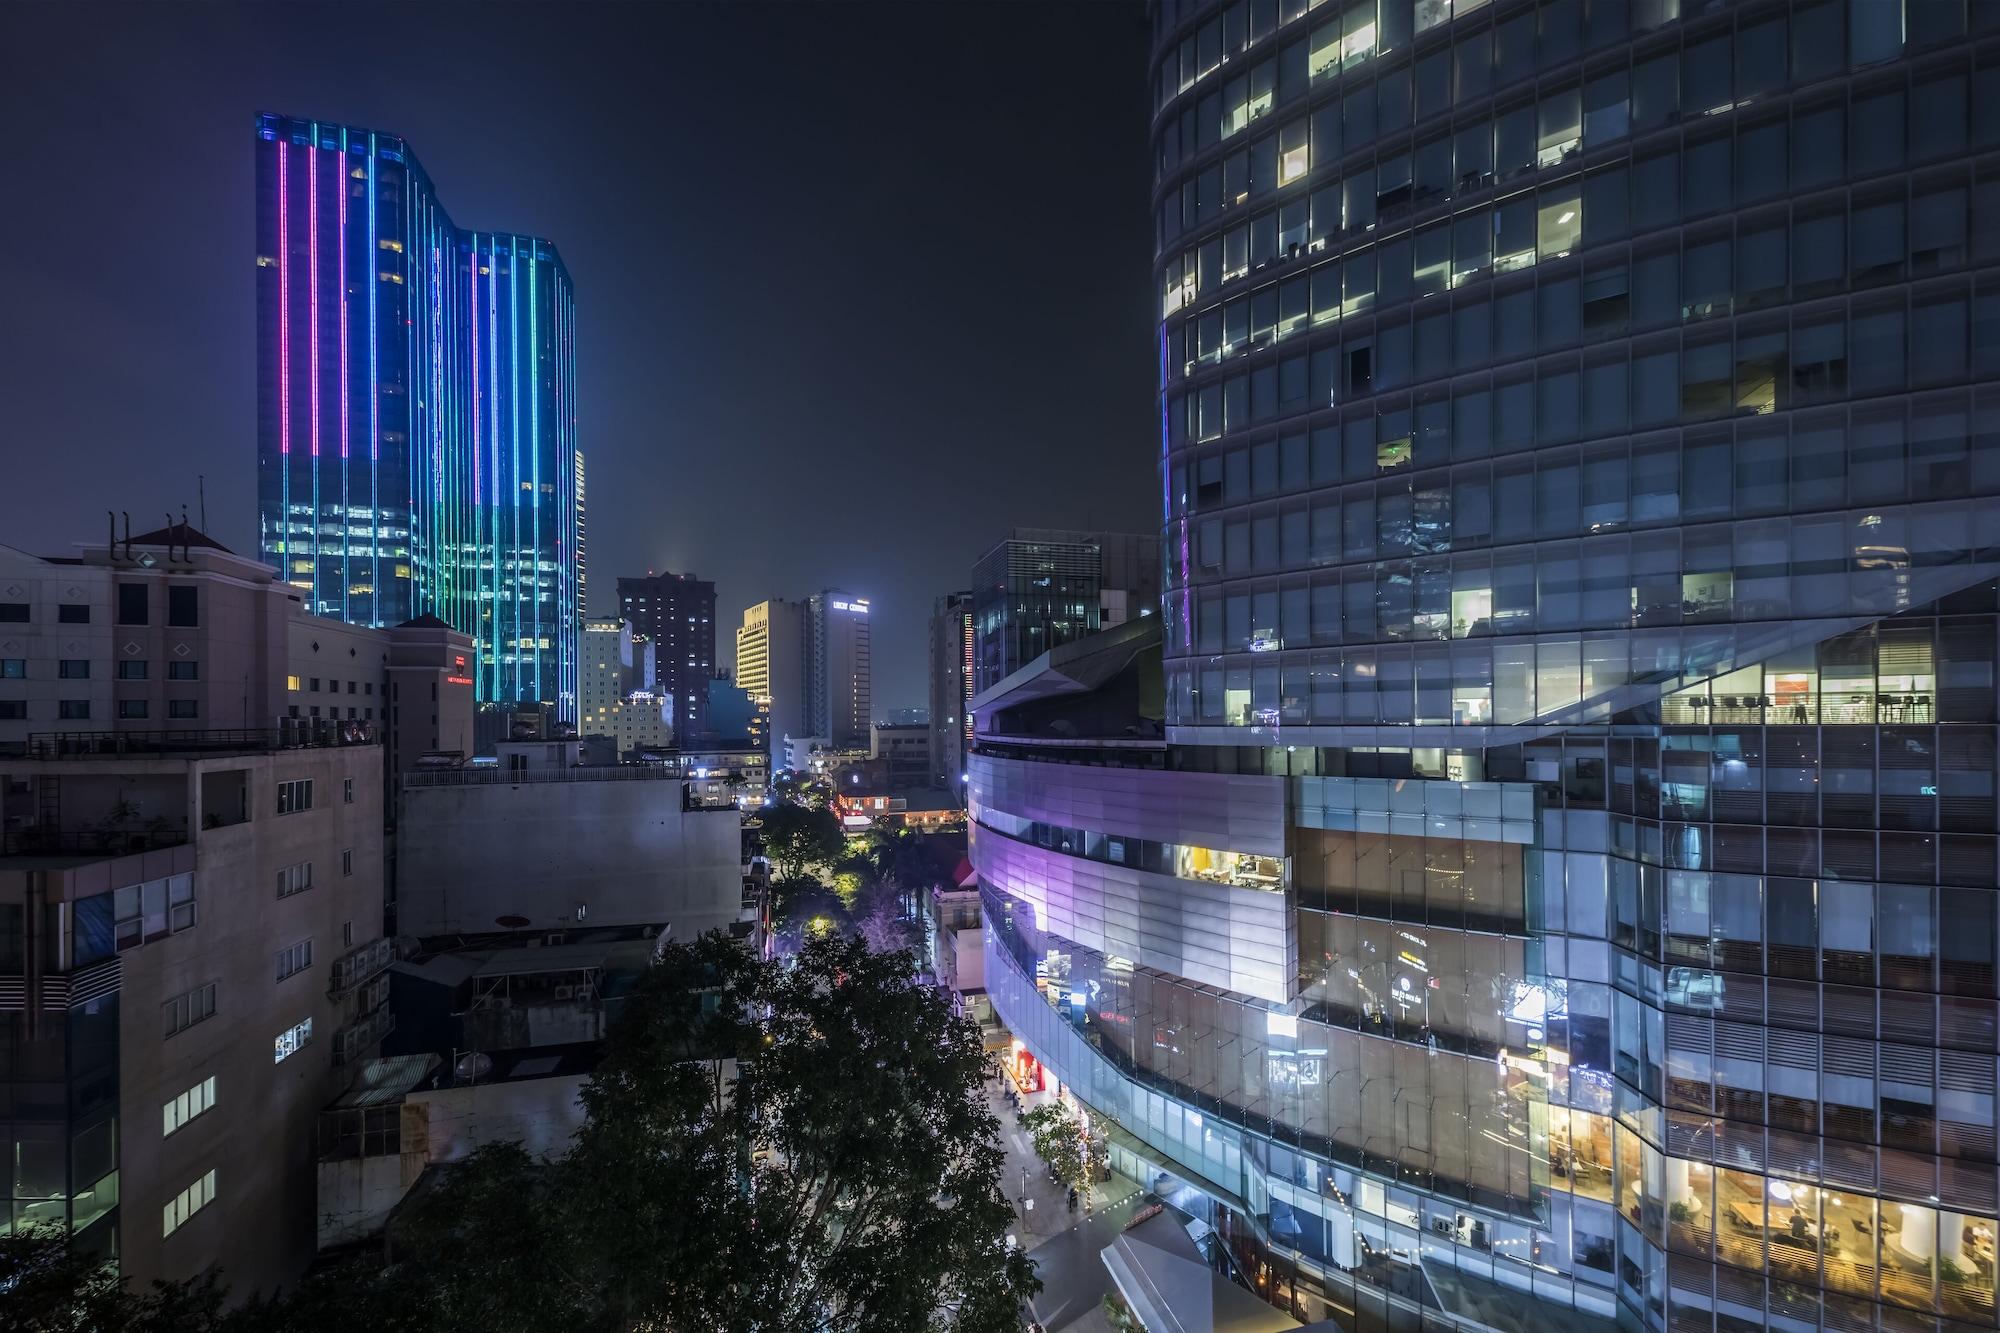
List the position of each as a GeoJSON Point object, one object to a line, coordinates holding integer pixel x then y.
{"type": "Point", "coordinates": [170, 535]}
{"type": "Point", "coordinates": [128, 532]}
{"type": "Point", "coordinates": [201, 491]}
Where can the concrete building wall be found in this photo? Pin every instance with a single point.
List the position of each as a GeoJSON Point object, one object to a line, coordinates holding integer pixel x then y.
{"type": "Point", "coordinates": [541, 1115]}
{"type": "Point", "coordinates": [216, 673]}
{"type": "Point", "coordinates": [622, 852]}
{"type": "Point", "coordinates": [257, 1135]}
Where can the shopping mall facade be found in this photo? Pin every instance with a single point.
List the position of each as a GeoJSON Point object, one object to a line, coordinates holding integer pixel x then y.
{"type": "Point", "coordinates": [1539, 864]}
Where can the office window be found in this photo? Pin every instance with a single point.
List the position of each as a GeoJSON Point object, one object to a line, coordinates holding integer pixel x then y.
{"type": "Point", "coordinates": [73, 710]}
{"type": "Point", "coordinates": [184, 669]}
{"type": "Point", "coordinates": [181, 1109]}
{"type": "Point", "coordinates": [295, 878]}
{"type": "Point", "coordinates": [346, 861]}
{"type": "Point", "coordinates": [13, 612]}
{"type": "Point", "coordinates": [295, 796]}
{"type": "Point", "coordinates": [153, 910]}
{"type": "Point", "coordinates": [183, 708]}
{"type": "Point", "coordinates": [13, 710]}
{"type": "Point", "coordinates": [184, 1011]}
{"type": "Point", "coordinates": [292, 683]}
{"type": "Point", "coordinates": [295, 958]}
{"type": "Point", "coordinates": [187, 1203]}
{"type": "Point", "coordinates": [73, 668]}
{"type": "Point", "coordinates": [132, 604]}
{"type": "Point", "coordinates": [13, 668]}
{"type": "Point", "coordinates": [347, 791]}
{"type": "Point", "coordinates": [73, 613]}
{"type": "Point", "coordinates": [183, 606]}
{"type": "Point", "coordinates": [130, 709]}
{"type": "Point", "coordinates": [291, 1041]}
{"type": "Point", "coordinates": [132, 668]}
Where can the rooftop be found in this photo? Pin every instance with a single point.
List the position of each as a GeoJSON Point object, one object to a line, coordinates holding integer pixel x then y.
{"type": "Point", "coordinates": [179, 534]}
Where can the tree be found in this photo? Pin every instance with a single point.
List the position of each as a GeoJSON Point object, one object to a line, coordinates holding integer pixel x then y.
{"type": "Point", "coordinates": [51, 1288]}
{"type": "Point", "coordinates": [1060, 1140]}
{"type": "Point", "coordinates": [880, 1200]}
{"type": "Point", "coordinates": [766, 1149]}
{"type": "Point", "coordinates": [797, 839]}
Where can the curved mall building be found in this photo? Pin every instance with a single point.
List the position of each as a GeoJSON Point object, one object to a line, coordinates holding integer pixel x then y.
{"type": "Point", "coordinates": [1538, 867]}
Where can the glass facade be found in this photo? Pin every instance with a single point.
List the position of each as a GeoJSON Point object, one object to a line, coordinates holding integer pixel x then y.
{"type": "Point", "coordinates": [1577, 471]}
{"type": "Point", "coordinates": [417, 447]}
{"type": "Point", "coordinates": [1030, 595]}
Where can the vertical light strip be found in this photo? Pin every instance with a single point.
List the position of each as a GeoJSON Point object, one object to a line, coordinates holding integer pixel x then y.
{"type": "Point", "coordinates": [471, 555]}
{"type": "Point", "coordinates": [312, 340]}
{"type": "Point", "coordinates": [346, 504]}
{"type": "Point", "coordinates": [374, 399]}
{"type": "Point", "coordinates": [493, 443]}
{"type": "Point", "coordinates": [514, 439]}
{"type": "Point", "coordinates": [284, 368]}
{"type": "Point", "coordinates": [535, 460]}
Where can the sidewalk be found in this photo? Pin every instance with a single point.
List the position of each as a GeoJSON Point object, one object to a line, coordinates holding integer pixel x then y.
{"type": "Point", "coordinates": [1066, 1249]}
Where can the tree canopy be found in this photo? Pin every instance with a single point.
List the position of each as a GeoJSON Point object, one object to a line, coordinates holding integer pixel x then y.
{"type": "Point", "coordinates": [767, 1148]}
{"type": "Point", "coordinates": [799, 840]}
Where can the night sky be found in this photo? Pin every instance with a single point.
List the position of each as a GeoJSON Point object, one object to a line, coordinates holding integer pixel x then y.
{"type": "Point", "coordinates": [859, 286]}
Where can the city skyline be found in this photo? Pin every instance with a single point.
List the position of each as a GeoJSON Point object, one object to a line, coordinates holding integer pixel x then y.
{"type": "Point", "coordinates": [698, 383]}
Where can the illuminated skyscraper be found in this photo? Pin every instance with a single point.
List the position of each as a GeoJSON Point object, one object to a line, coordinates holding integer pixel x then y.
{"type": "Point", "coordinates": [416, 408]}
{"type": "Point", "coordinates": [1557, 884]}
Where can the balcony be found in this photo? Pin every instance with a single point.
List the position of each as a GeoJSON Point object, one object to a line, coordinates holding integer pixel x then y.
{"type": "Point", "coordinates": [290, 734]}
{"type": "Point", "coordinates": [89, 843]}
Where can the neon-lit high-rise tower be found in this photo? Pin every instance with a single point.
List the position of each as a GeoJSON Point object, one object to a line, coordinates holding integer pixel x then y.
{"type": "Point", "coordinates": [417, 448]}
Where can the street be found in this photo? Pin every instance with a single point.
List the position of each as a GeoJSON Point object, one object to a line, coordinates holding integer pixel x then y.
{"type": "Point", "coordinates": [1065, 1248]}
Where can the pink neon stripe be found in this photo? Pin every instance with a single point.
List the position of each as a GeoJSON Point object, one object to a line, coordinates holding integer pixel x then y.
{"type": "Point", "coordinates": [312, 286]}
{"type": "Point", "coordinates": [343, 308]}
{"type": "Point", "coordinates": [284, 314]}
{"type": "Point", "coordinates": [476, 409]}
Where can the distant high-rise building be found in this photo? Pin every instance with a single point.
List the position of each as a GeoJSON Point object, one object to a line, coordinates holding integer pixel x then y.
{"type": "Point", "coordinates": [731, 713]}
{"type": "Point", "coordinates": [1039, 588]}
{"type": "Point", "coordinates": [676, 614]}
{"type": "Point", "coordinates": [416, 408]}
{"type": "Point", "coordinates": [839, 679]}
{"type": "Point", "coordinates": [770, 666]}
{"type": "Point", "coordinates": [951, 660]}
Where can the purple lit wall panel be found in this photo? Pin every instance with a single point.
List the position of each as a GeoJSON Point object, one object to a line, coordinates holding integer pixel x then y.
{"type": "Point", "coordinates": [1233, 938]}
{"type": "Point", "coordinates": [1226, 812]}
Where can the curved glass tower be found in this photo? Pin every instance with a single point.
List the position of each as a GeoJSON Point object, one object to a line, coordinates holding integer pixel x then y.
{"type": "Point", "coordinates": [1565, 881]}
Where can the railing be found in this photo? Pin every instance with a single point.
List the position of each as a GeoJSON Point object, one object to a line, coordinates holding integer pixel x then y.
{"type": "Point", "coordinates": [88, 842]}
{"type": "Point", "coordinates": [291, 734]}
{"type": "Point", "coordinates": [485, 776]}
{"type": "Point", "coordinates": [352, 1040]}
{"type": "Point", "coordinates": [359, 965]}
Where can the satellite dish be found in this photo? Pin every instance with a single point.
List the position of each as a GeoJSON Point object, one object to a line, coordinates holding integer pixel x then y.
{"type": "Point", "coordinates": [474, 1065]}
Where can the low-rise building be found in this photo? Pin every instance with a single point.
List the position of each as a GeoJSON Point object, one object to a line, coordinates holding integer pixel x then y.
{"type": "Point", "coordinates": [905, 749]}
{"type": "Point", "coordinates": [190, 948]}
{"type": "Point", "coordinates": [191, 893]}
{"type": "Point", "coordinates": [541, 843]}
